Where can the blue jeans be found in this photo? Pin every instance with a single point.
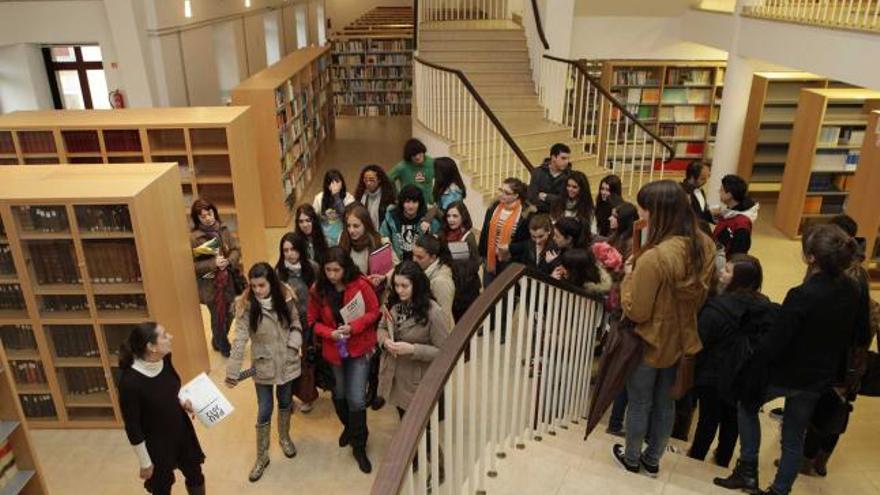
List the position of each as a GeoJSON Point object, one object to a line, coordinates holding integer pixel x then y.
{"type": "Point", "coordinates": [351, 382]}
{"type": "Point", "coordinates": [650, 408]}
{"type": "Point", "coordinates": [264, 400]}
{"type": "Point", "coordinates": [799, 405]}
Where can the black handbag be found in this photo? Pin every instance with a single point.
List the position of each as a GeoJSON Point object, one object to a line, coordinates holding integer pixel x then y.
{"type": "Point", "coordinates": [870, 385]}
{"type": "Point", "coordinates": [831, 415]}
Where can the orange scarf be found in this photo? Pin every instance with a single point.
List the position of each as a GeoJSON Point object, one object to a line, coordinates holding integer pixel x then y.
{"type": "Point", "coordinates": [506, 231]}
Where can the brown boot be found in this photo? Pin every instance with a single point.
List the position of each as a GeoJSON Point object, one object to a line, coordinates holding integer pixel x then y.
{"type": "Point", "coordinates": [262, 452]}
{"type": "Point", "coordinates": [287, 445]}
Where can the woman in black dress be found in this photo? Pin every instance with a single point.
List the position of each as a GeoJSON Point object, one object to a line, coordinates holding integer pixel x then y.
{"type": "Point", "coordinates": [155, 419]}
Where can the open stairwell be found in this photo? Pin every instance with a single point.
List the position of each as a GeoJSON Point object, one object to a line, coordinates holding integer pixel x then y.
{"type": "Point", "coordinates": [494, 57]}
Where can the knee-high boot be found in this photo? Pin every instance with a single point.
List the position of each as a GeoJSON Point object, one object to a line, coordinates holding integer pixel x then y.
{"type": "Point", "coordinates": [262, 452]}
{"type": "Point", "coordinates": [341, 406]}
{"type": "Point", "coordinates": [359, 433]}
{"type": "Point", "coordinates": [287, 445]}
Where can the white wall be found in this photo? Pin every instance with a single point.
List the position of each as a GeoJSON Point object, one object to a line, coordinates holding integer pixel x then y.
{"type": "Point", "coordinates": [23, 81]}
{"type": "Point", "coordinates": [631, 37]}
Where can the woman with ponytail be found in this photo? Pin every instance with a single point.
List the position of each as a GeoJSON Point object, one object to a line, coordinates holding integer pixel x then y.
{"type": "Point", "coordinates": [266, 315]}
{"type": "Point", "coordinates": [156, 421]}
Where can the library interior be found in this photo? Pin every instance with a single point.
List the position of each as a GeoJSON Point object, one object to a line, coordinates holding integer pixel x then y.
{"type": "Point", "coordinates": [438, 234]}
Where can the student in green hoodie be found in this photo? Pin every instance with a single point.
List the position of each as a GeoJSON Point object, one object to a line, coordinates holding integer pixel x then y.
{"type": "Point", "coordinates": [416, 168]}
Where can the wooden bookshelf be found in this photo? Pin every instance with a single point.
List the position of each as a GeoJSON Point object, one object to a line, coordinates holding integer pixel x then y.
{"type": "Point", "coordinates": [679, 100]}
{"type": "Point", "coordinates": [372, 64]}
{"type": "Point", "coordinates": [293, 119]}
{"type": "Point", "coordinates": [768, 127]}
{"type": "Point", "coordinates": [95, 250]}
{"type": "Point", "coordinates": [864, 200]}
{"type": "Point", "coordinates": [27, 479]}
{"type": "Point", "coordinates": [826, 141]}
{"type": "Point", "coordinates": [213, 147]}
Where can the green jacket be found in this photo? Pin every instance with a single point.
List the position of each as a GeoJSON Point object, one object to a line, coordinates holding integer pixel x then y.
{"type": "Point", "coordinates": [421, 176]}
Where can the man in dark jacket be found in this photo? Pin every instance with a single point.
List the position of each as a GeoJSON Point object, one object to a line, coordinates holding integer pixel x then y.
{"type": "Point", "coordinates": [548, 181]}
{"type": "Point", "coordinates": [695, 176]}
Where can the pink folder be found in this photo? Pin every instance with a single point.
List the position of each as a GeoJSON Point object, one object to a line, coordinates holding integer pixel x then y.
{"type": "Point", "coordinates": [380, 261]}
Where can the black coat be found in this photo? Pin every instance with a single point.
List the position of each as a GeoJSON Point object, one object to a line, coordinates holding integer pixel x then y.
{"type": "Point", "coordinates": [819, 322]}
{"type": "Point", "coordinates": [531, 258]}
{"type": "Point", "coordinates": [730, 327]}
{"type": "Point", "coordinates": [603, 213]}
{"type": "Point", "coordinates": [542, 181]}
{"type": "Point", "coordinates": [519, 241]}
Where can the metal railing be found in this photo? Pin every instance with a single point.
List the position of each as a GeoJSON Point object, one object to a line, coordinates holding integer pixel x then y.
{"type": "Point", "coordinates": [446, 103]}
{"type": "Point", "coordinates": [602, 125]}
{"type": "Point", "coordinates": [862, 15]}
{"type": "Point", "coordinates": [462, 10]}
{"type": "Point", "coordinates": [516, 367]}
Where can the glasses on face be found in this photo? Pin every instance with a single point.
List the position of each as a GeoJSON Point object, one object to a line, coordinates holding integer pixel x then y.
{"type": "Point", "coordinates": [505, 191]}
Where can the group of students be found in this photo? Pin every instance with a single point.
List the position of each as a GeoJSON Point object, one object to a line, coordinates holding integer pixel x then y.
{"type": "Point", "coordinates": [377, 326]}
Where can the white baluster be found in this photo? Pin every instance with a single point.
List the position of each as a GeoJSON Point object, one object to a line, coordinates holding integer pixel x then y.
{"type": "Point", "coordinates": [434, 451]}
{"type": "Point", "coordinates": [565, 370]}
{"type": "Point", "coordinates": [505, 420]}
{"type": "Point", "coordinates": [473, 410]}
{"type": "Point", "coordinates": [583, 326]}
{"type": "Point", "coordinates": [449, 449]}
{"type": "Point", "coordinates": [517, 367]}
{"type": "Point", "coordinates": [644, 152]}
{"type": "Point", "coordinates": [484, 401]}
{"type": "Point", "coordinates": [421, 472]}
{"type": "Point", "coordinates": [538, 363]}
{"type": "Point", "coordinates": [545, 360]}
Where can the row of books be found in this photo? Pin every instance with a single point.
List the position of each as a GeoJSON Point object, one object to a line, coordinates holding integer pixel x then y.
{"type": "Point", "coordinates": [640, 95]}
{"type": "Point", "coordinates": [61, 304]}
{"type": "Point", "coordinates": [121, 302]}
{"type": "Point", "coordinates": [7, 266]}
{"type": "Point", "coordinates": [74, 340]}
{"type": "Point", "coordinates": [103, 218]}
{"type": "Point", "coordinates": [376, 110]}
{"type": "Point", "coordinates": [834, 162]}
{"type": "Point", "coordinates": [7, 145]}
{"type": "Point", "coordinates": [688, 149]}
{"type": "Point", "coordinates": [685, 114]}
{"type": "Point", "coordinates": [81, 141]}
{"type": "Point", "coordinates": [36, 142]}
{"type": "Point", "coordinates": [82, 381]}
{"type": "Point", "coordinates": [673, 96]}
{"type": "Point", "coordinates": [373, 59]}
{"type": "Point", "coordinates": [391, 45]}
{"type": "Point", "coordinates": [18, 337]}
{"type": "Point", "coordinates": [829, 183]}
{"type": "Point", "coordinates": [683, 131]}
{"type": "Point", "coordinates": [825, 205]}
{"type": "Point", "coordinates": [28, 372]}
{"type": "Point", "coordinates": [840, 136]}
{"type": "Point", "coordinates": [371, 98]}
{"type": "Point", "coordinates": [8, 468]}
{"type": "Point", "coordinates": [648, 77]}
{"type": "Point", "coordinates": [381, 85]}
{"type": "Point", "coordinates": [372, 73]}
{"type": "Point", "coordinates": [54, 262]}
{"type": "Point", "coordinates": [38, 405]}
{"type": "Point", "coordinates": [689, 77]}
{"type": "Point", "coordinates": [122, 140]}
{"type": "Point", "coordinates": [112, 261]}
{"type": "Point", "coordinates": [10, 297]}
{"type": "Point", "coordinates": [43, 218]}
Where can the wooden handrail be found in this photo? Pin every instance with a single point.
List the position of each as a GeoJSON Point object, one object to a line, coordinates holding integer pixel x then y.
{"type": "Point", "coordinates": [582, 68]}
{"type": "Point", "coordinates": [397, 459]}
{"type": "Point", "coordinates": [488, 111]}
{"type": "Point", "coordinates": [539, 25]}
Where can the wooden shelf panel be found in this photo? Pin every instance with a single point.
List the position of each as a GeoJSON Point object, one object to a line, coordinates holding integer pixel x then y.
{"type": "Point", "coordinates": [7, 428]}
{"type": "Point", "coordinates": [78, 362]}
{"type": "Point", "coordinates": [18, 482]}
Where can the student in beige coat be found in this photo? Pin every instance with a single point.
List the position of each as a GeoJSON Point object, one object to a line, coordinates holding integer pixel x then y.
{"type": "Point", "coordinates": [266, 315]}
{"type": "Point", "coordinates": [433, 257]}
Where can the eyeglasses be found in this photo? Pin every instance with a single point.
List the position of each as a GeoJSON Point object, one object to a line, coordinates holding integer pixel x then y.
{"type": "Point", "coordinates": [504, 191]}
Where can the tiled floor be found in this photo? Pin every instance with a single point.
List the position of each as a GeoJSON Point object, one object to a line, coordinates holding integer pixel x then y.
{"type": "Point", "coordinates": [101, 461]}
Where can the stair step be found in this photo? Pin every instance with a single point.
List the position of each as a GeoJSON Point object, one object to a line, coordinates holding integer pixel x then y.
{"type": "Point", "coordinates": [505, 77]}
{"type": "Point", "coordinates": [498, 102]}
{"type": "Point", "coordinates": [503, 90]}
{"type": "Point", "coordinates": [475, 55]}
{"type": "Point", "coordinates": [427, 45]}
{"type": "Point", "coordinates": [431, 34]}
{"type": "Point", "coordinates": [470, 67]}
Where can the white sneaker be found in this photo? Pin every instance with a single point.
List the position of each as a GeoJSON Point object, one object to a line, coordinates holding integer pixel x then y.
{"type": "Point", "coordinates": [306, 407]}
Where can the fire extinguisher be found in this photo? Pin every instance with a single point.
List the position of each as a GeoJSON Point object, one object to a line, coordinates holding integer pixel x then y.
{"type": "Point", "coordinates": [117, 99]}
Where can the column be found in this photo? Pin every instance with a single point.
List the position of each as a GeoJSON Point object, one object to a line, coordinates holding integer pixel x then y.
{"type": "Point", "coordinates": [127, 23]}
{"type": "Point", "coordinates": [558, 19]}
{"type": "Point", "coordinates": [735, 102]}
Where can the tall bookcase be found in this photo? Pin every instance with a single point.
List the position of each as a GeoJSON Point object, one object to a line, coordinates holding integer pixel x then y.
{"type": "Point", "coordinates": [213, 147]}
{"type": "Point", "coordinates": [293, 119]}
{"type": "Point", "coordinates": [372, 64]}
{"type": "Point", "coordinates": [679, 100]}
{"type": "Point", "coordinates": [824, 154]}
{"type": "Point", "coordinates": [864, 201]}
{"type": "Point", "coordinates": [25, 477]}
{"type": "Point", "coordinates": [94, 249]}
{"type": "Point", "coordinates": [768, 126]}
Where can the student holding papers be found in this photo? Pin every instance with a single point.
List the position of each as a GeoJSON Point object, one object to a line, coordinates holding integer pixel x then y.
{"type": "Point", "coordinates": [155, 419]}
{"type": "Point", "coordinates": [460, 238]}
{"type": "Point", "coordinates": [266, 315]}
{"type": "Point", "coordinates": [343, 309]}
{"type": "Point", "coordinates": [360, 240]}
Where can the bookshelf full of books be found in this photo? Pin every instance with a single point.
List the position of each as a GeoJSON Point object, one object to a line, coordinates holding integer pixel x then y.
{"type": "Point", "coordinates": [679, 100]}
{"type": "Point", "coordinates": [827, 137]}
{"type": "Point", "coordinates": [212, 147]}
{"type": "Point", "coordinates": [372, 64]}
{"type": "Point", "coordinates": [767, 131]}
{"type": "Point", "coordinates": [293, 120]}
{"type": "Point", "coordinates": [91, 253]}
{"type": "Point", "coordinates": [19, 467]}
{"type": "Point", "coordinates": [864, 200]}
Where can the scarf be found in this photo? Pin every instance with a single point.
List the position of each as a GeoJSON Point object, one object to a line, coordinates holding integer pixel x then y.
{"type": "Point", "coordinates": [506, 231]}
{"type": "Point", "coordinates": [456, 235]}
{"type": "Point", "coordinates": [372, 200]}
{"type": "Point", "coordinates": [404, 311]}
{"type": "Point", "coordinates": [571, 207]}
{"type": "Point", "coordinates": [266, 303]}
{"type": "Point", "coordinates": [149, 369]}
{"type": "Point", "coordinates": [295, 269]}
{"type": "Point", "coordinates": [365, 242]}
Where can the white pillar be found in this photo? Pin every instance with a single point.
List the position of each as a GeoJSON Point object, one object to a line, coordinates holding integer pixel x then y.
{"type": "Point", "coordinates": [558, 19]}
{"type": "Point", "coordinates": [127, 21]}
{"type": "Point", "coordinates": [734, 104]}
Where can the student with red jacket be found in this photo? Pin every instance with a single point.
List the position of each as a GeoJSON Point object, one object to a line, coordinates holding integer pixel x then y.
{"type": "Point", "coordinates": [733, 224]}
{"type": "Point", "coordinates": [346, 346]}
